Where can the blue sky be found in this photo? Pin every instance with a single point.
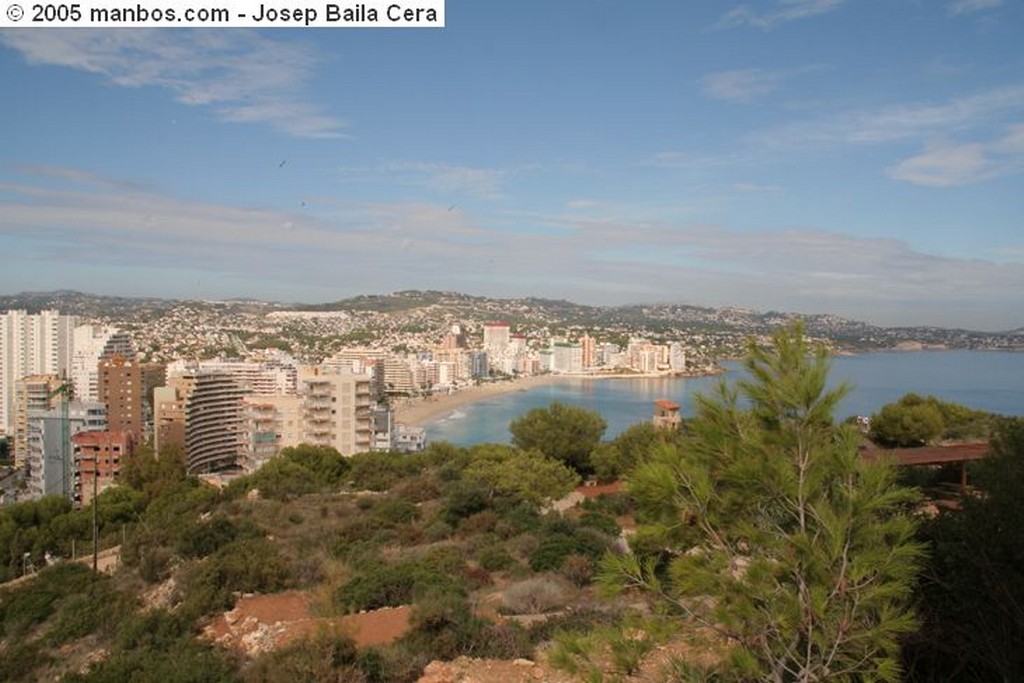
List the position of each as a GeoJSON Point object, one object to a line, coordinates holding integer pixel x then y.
{"type": "Point", "coordinates": [855, 157]}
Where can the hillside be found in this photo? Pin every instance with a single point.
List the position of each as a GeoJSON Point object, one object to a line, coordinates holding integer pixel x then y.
{"type": "Point", "coordinates": [390, 319]}
{"type": "Point", "coordinates": [487, 572]}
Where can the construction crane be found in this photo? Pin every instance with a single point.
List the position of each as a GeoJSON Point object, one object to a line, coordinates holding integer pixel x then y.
{"type": "Point", "coordinates": [66, 391]}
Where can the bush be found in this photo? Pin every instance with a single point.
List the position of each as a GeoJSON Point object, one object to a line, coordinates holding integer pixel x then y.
{"type": "Point", "coordinates": [495, 558]}
{"type": "Point", "coordinates": [22, 661]}
{"type": "Point", "coordinates": [601, 522]}
{"type": "Point", "coordinates": [465, 498]}
{"type": "Point", "coordinates": [438, 531]}
{"type": "Point", "coordinates": [578, 569]}
{"type": "Point", "coordinates": [394, 510]}
{"type": "Point", "coordinates": [325, 656]}
{"type": "Point", "coordinates": [391, 585]}
{"type": "Point", "coordinates": [552, 551]}
{"type": "Point", "coordinates": [536, 595]}
{"type": "Point", "coordinates": [252, 565]}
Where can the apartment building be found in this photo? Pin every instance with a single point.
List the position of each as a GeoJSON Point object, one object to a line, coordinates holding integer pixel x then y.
{"type": "Point", "coordinates": [31, 345]}
{"type": "Point", "coordinates": [337, 409]}
{"type": "Point", "coordinates": [32, 394]}
{"type": "Point", "coordinates": [121, 391]}
{"type": "Point", "coordinates": [271, 423]}
{"type": "Point", "coordinates": [49, 459]}
{"type": "Point", "coordinates": [98, 458]}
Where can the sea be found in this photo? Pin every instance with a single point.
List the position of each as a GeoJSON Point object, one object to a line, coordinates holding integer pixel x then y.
{"type": "Point", "coordinates": [985, 380]}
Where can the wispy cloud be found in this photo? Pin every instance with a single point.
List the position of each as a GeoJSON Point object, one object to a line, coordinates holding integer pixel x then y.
{"type": "Point", "coordinates": [756, 187]}
{"type": "Point", "coordinates": [946, 164]}
{"type": "Point", "coordinates": [903, 121]}
{"type": "Point", "coordinates": [242, 75]}
{"type": "Point", "coordinates": [969, 6]}
{"type": "Point", "coordinates": [449, 181]}
{"type": "Point", "coordinates": [590, 256]}
{"type": "Point", "coordinates": [747, 85]}
{"type": "Point", "coordinates": [779, 12]}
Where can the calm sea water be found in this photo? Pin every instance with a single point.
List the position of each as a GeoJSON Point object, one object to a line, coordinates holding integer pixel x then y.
{"type": "Point", "coordinates": [986, 380]}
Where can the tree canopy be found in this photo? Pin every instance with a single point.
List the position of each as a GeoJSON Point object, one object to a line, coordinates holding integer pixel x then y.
{"type": "Point", "coordinates": [770, 531]}
{"type": "Point", "coordinates": [563, 432]}
{"type": "Point", "coordinates": [916, 421]}
{"type": "Point", "coordinates": [526, 475]}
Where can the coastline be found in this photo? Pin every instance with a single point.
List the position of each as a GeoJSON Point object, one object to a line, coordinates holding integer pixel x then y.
{"type": "Point", "coordinates": [417, 412]}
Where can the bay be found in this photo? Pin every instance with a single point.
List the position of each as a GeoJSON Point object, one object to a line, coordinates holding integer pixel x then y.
{"type": "Point", "coordinates": [985, 380]}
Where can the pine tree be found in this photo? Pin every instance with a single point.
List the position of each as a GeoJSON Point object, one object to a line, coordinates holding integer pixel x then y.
{"type": "Point", "coordinates": [770, 531]}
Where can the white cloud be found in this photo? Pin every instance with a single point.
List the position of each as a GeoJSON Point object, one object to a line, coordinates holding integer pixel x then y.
{"type": "Point", "coordinates": [968, 6]}
{"type": "Point", "coordinates": [756, 187]}
{"type": "Point", "coordinates": [747, 85]}
{"type": "Point", "coordinates": [780, 12]}
{"type": "Point", "coordinates": [242, 75]}
{"type": "Point", "coordinates": [449, 180]}
{"type": "Point", "coordinates": [352, 247]}
{"type": "Point", "coordinates": [901, 122]}
{"type": "Point", "coordinates": [741, 85]}
{"type": "Point", "coordinates": [947, 164]}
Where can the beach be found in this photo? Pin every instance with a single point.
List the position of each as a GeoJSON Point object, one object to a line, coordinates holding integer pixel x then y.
{"type": "Point", "coordinates": [419, 411]}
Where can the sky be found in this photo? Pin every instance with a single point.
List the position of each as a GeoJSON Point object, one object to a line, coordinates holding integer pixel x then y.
{"type": "Point", "coordinates": [857, 157]}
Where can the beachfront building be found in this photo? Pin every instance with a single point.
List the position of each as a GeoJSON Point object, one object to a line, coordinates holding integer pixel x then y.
{"type": "Point", "coordinates": [214, 423]}
{"type": "Point", "coordinates": [566, 358]}
{"type": "Point", "coordinates": [399, 377]}
{"type": "Point", "coordinates": [267, 378]}
{"type": "Point", "coordinates": [676, 357]}
{"type": "Point", "coordinates": [479, 365]}
{"type": "Point", "coordinates": [497, 336]}
{"type": "Point", "coordinates": [588, 349]}
{"type": "Point", "coordinates": [337, 409]}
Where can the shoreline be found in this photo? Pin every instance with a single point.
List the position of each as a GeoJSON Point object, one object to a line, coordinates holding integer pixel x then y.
{"type": "Point", "coordinates": [418, 412]}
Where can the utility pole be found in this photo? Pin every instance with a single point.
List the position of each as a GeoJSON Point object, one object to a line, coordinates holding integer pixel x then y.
{"type": "Point", "coordinates": [95, 511]}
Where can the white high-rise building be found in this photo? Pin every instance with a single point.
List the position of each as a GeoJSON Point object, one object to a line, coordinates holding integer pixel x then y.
{"type": "Point", "coordinates": [677, 357]}
{"type": "Point", "coordinates": [89, 343]}
{"type": "Point", "coordinates": [31, 345]}
{"type": "Point", "coordinates": [497, 336]}
{"type": "Point", "coordinates": [259, 378]}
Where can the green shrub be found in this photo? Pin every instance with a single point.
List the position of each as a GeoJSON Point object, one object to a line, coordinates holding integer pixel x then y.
{"type": "Point", "coordinates": [21, 661]}
{"type": "Point", "coordinates": [392, 585]}
{"type": "Point", "coordinates": [394, 510]}
{"type": "Point", "coordinates": [601, 522]}
{"type": "Point", "coordinates": [438, 531]}
{"type": "Point", "coordinates": [494, 558]}
{"type": "Point", "coordinates": [552, 551]}
{"type": "Point", "coordinates": [464, 498]}
{"type": "Point", "coordinates": [325, 656]}
{"type": "Point", "coordinates": [252, 565]}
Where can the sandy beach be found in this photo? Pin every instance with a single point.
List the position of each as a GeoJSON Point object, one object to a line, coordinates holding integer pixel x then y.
{"type": "Point", "coordinates": [419, 411]}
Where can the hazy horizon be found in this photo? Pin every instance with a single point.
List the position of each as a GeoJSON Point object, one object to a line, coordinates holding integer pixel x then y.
{"type": "Point", "coordinates": [813, 156]}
